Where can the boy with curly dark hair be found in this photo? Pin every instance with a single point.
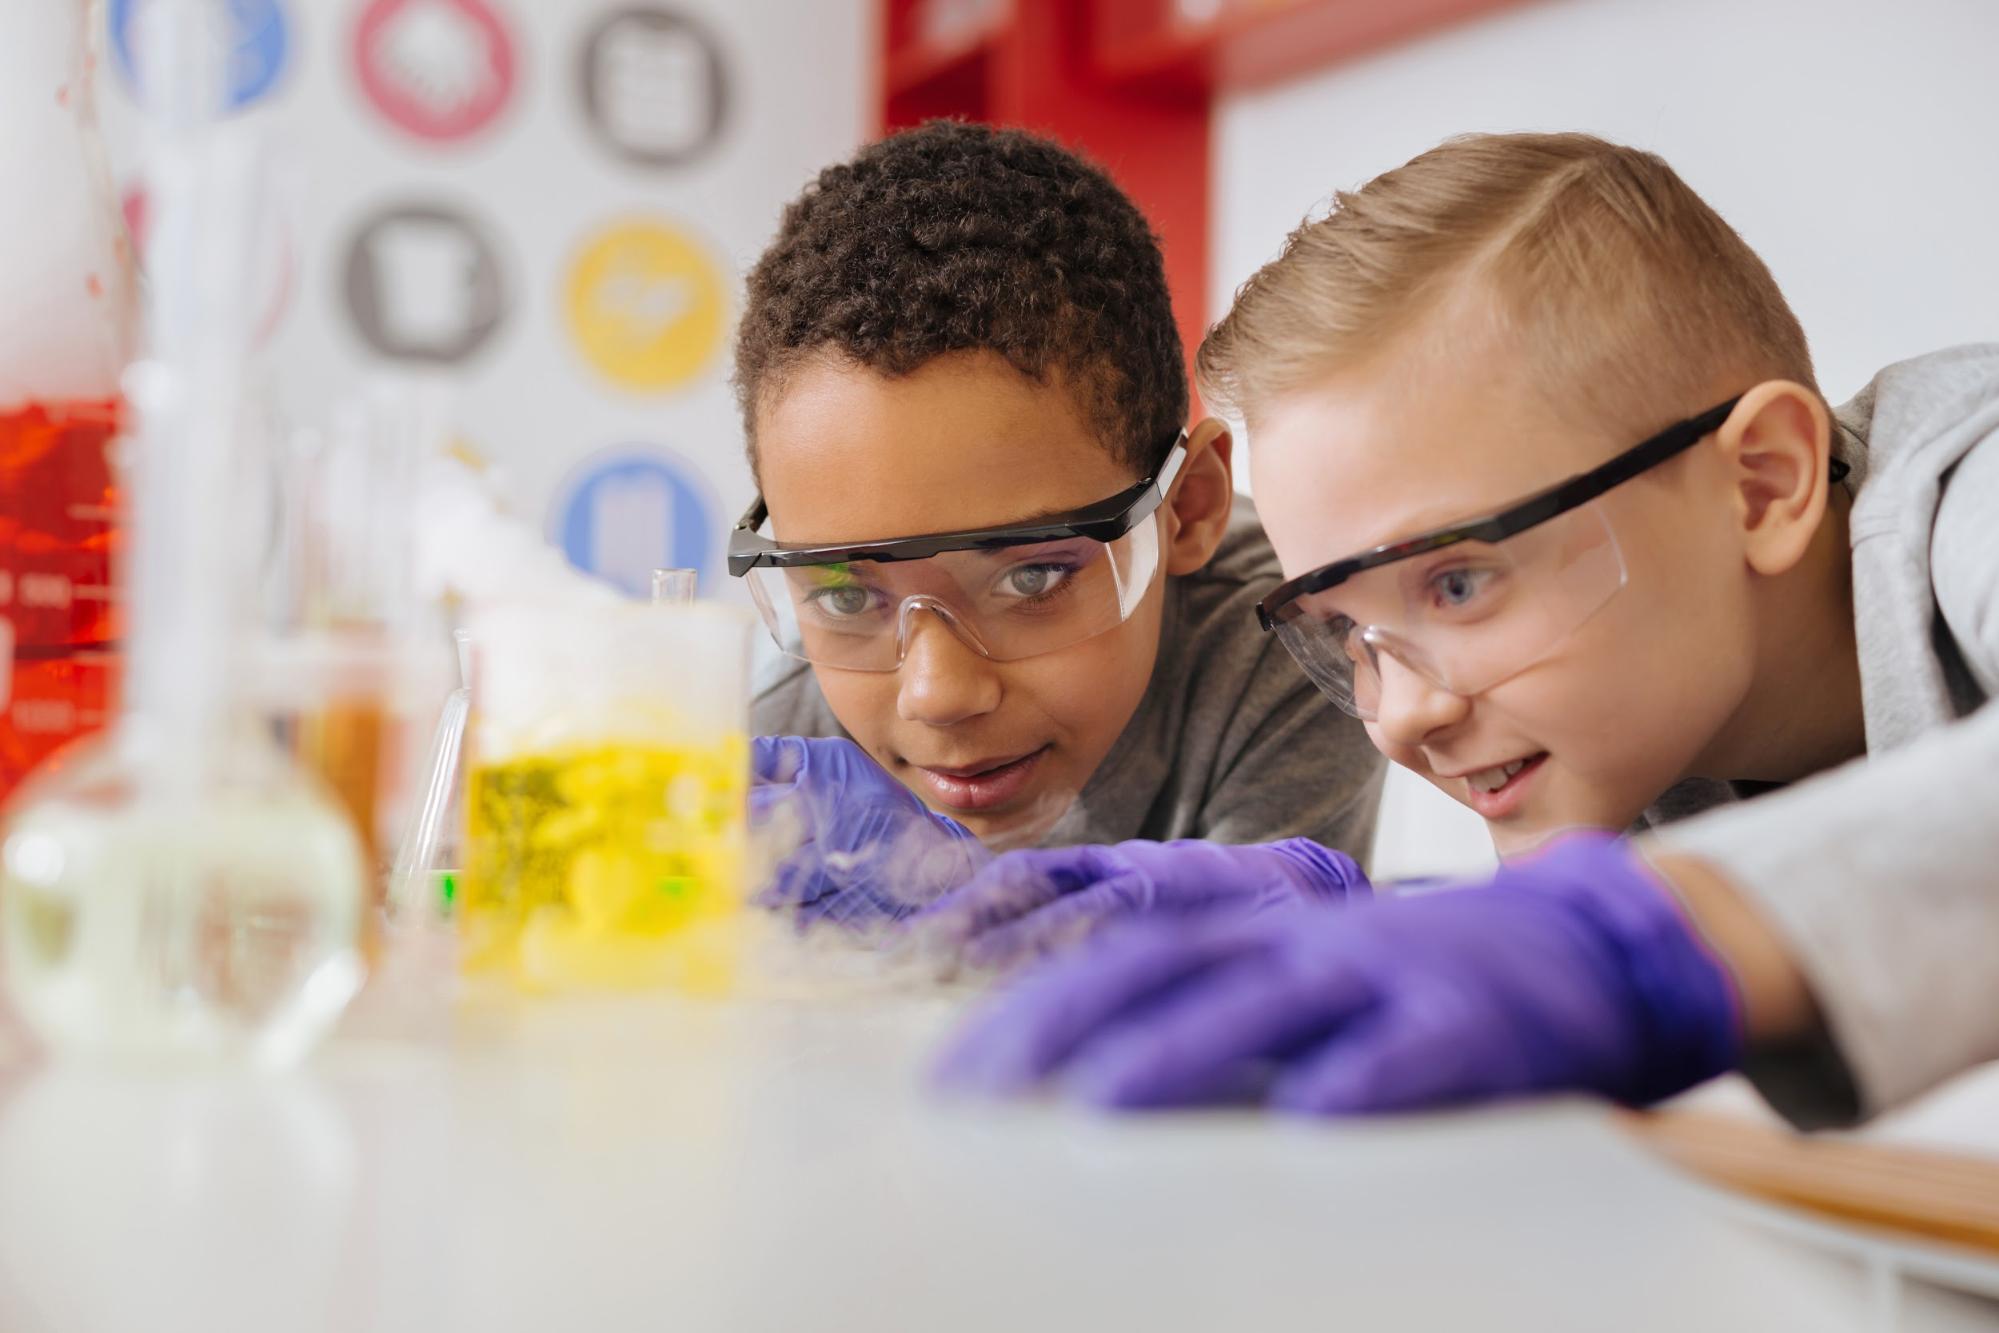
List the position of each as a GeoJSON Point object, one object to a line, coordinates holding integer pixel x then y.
{"type": "Point", "coordinates": [1004, 566]}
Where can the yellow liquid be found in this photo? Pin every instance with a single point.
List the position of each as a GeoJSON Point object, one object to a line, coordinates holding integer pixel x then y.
{"type": "Point", "coordinates": [608, 865]}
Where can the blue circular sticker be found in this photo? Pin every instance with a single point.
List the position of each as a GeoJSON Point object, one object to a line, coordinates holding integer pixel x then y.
{"type": "Point", "coordinates": [626, 512]}
{"type": "Point", "coordinates": [259, 39]}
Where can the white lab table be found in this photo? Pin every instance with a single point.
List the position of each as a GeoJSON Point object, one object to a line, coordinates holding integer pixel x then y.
{"type": "Point", "coordinates": [774, 1161]}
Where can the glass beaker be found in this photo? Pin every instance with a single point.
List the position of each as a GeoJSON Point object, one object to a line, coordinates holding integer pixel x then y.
{"type": "Point", "coordinates": [345, 601]}
{"type": "Point", "coordinates": [607, 797]}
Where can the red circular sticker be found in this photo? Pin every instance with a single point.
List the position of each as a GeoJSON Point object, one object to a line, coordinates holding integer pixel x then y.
{"type": "Point", "coordinates": [437, 69]}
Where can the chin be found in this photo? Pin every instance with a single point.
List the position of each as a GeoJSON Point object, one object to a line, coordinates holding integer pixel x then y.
{"type": "Point", "coordinates": [999, 832]}
{"type": "Point", "coordinates": [1521, 837]}
{"type": "Point", "coordinates": [1515, 838]}
{"type": "Point", "coordinates": [1024, 825]}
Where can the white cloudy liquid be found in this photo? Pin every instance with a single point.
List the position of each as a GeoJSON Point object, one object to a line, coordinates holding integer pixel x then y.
{"type": "Point", "coordinates": [228, 931]}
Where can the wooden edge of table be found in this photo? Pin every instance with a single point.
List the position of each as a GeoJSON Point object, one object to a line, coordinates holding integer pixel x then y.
{"type": "Point", "coordinates": [1919, 1191]}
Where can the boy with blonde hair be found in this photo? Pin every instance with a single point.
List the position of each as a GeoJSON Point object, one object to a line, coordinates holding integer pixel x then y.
{"type": "Point", "coordinates": [1563, 629]}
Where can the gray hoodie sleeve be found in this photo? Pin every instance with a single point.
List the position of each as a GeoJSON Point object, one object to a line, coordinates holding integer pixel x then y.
{"type": "Point", "coordinates": [1883, 875]}
{"type": "Point", "coordinates": [1883, 878]}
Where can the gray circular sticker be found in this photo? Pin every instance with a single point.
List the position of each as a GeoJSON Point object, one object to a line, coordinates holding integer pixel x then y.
{"type": "Point", "coordinates": [423, 283]}
{"type": "Point", "coordinates": [653, 85]}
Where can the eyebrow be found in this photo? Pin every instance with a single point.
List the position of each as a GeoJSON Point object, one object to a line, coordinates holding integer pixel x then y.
{"type": "Point", "coordinates": [1431, 519]}
{"type": "Point", "coordinates": [1038, 516]}
{"type": "Point", "coordinates": [987, 525]}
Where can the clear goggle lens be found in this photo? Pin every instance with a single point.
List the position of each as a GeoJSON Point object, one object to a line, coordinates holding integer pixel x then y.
{"type": "Point", "coordinates": [1465, 617]}
{"type": "Point", "coordinates": [1007, 602]}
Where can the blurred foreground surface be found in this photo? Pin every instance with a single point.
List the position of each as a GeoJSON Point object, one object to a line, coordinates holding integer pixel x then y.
{"type": "Point", "coordinates": [772, 1161]}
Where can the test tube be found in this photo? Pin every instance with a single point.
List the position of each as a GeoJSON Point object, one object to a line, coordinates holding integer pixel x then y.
{"type": "Point", "coordinates": [411, 880]}
{"type": "Point", "coordinates": [674, 587]}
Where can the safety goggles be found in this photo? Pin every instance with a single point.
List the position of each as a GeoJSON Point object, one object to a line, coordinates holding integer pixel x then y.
{"type": "Point", "coordinates": [1471, 605]}
{"type": "Point", "coordinates": [1008, 593]}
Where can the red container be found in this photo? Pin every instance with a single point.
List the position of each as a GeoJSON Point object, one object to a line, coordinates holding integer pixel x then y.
{"type": "Point", "coordinates": [59, 534]}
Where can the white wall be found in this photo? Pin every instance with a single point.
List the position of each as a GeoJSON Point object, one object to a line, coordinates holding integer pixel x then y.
{"type": "Point", "coordinates": [1853, 143]}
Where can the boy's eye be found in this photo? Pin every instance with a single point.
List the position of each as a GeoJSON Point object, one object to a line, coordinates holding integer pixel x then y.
{"type": "Point", "coordinates": [1454, 588]}
{"type": "Point", "coordinates": [842, 602]}
{"type": "Point", "coordinates": [1033, 580]}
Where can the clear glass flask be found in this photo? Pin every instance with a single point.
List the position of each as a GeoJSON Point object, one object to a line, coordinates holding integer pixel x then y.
{"type": "Point", "coordinates": [220, 926]}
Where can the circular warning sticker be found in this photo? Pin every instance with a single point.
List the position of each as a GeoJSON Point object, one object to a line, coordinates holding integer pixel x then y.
{"type": "Point", "coordinates": [646, 305]}
{"type": "Point", "coordinates": [423, 282]}
{"type": "Point", "coordinates": [254, 37]}
{"type": "Point", "coordinates": [653, 85]}
{"type": "Point", "coordinates": [625, 512]}
{"type": "Point", "coordinates": [436, 69]}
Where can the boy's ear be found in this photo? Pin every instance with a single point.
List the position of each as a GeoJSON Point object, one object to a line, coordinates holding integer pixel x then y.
{"type": "Point", "coordinates": [1778, 445]}
{"type": "Point", "coordinates": [1197, 508]}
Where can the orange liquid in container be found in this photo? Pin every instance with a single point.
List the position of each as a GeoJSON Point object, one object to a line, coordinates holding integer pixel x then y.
{"type": "Point", "coordinates": [59, 531]}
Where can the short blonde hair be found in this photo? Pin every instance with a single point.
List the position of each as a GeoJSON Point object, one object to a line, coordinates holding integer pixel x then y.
{"type": "Point", "coordinates": [1629, 296]}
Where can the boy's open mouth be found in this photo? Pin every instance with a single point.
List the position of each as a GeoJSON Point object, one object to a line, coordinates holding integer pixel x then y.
{"type": "Point", "coordinates": [1495, 792]}
{"type": "Point", "coordinates": [982, 785]}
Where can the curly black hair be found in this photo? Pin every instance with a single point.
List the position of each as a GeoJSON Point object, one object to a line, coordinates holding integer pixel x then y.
{"type": "Point", "coordinates": [956, 237]}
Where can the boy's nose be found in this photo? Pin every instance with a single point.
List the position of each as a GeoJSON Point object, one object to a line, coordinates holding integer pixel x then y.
{"type": "Point", "coordinates": [942, 680]}
{"type": "Point", "coordinates": [1412, 707]}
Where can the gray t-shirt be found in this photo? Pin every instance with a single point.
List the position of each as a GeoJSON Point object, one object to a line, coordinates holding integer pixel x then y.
{"type": "Point", "coordinates": [1882, 875]}
{"type": "Point", "coordinates": [1230, 741]}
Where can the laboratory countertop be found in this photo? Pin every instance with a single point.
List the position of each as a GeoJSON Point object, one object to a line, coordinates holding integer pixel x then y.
{"type": "Point", "coordinates": [775, 1161]}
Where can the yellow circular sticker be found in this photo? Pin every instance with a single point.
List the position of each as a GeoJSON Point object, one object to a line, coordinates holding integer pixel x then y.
{"type": "Point", "coordinates": [646, 304]}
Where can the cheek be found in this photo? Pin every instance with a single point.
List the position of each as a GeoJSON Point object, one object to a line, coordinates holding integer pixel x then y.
{"type": "Point", "coordinates": [1626, 706]}
{"type": "Point", "coordinates": [1089, 691]}
{"type": "Point", "coordinates": [864, 701]}
{"type": "Point", "coordinates": [1684, 577]}
{"type": "Point", "coordinates": [1683, 632]}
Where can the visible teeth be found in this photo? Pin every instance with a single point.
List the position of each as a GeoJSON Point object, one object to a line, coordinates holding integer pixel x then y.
{"type": "Point", "coordinates": [1492, 779]}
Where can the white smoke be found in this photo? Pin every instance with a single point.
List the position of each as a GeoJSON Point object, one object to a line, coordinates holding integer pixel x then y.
{"type": "Point", "coordinates": [468, 547]}
{"type": "Point", "coordinates": [868, 878]}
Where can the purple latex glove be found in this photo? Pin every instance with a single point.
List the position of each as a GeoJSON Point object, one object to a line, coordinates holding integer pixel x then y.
{"type": "Point", "coordinates": [867, 850]}
{"type": "Point", "coordinates": [1574, 969]}
{"type": "Point", "coordinates": [1033, 902]}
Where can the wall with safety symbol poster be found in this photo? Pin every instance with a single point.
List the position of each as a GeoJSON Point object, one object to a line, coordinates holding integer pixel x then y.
{"type": "Point", "coordinates": [550, 204]}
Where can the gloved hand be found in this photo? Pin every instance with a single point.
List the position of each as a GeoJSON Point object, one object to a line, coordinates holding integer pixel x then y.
{"type": "Point", "coordinates": [1574, 969]}
{"type": "Point", "coordinates": [867, 851]}
{"type": "Point", "coordinates": [1033, 902]}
